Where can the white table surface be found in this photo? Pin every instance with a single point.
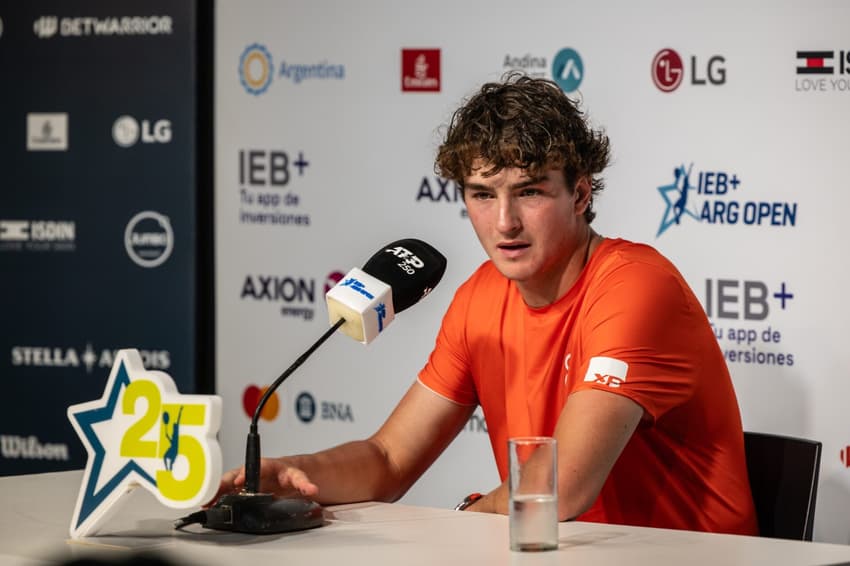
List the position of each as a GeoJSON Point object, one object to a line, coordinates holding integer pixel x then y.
{"type": "Point", "coordinates": [37, 509]}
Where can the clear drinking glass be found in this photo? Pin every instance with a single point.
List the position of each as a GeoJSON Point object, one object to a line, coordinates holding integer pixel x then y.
{"type": "Point", "coordinates": [533, 485]}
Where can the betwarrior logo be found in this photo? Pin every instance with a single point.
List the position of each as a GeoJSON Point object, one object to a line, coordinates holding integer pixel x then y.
{"type": "Point", "coordinates": [46, 27]}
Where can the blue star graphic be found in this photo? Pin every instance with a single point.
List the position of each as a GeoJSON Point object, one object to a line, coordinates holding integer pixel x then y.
{"type": "Point", "coordinates": [678, 205]}
{"type": "Point", "coordinates": [85, 419]}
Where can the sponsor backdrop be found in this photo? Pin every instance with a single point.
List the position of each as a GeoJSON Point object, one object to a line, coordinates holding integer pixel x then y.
{"type": "Point", "coordinates": [97, 210]}
{"type": "Point", "coordinates": [728, 124]}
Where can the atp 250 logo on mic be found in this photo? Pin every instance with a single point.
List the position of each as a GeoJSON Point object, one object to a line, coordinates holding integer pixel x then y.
{"type": "Point", "coordinates": [143, 433]}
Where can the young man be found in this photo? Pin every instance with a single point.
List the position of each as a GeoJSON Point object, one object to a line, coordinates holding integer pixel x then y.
{"type": "Point", "coordinates": [598, 342]}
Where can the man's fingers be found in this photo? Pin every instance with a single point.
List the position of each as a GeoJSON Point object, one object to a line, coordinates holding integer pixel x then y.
{"type": "Point", "coordinates": [230, 481]}
{"type": "Point", "coordinates": [298, 480]}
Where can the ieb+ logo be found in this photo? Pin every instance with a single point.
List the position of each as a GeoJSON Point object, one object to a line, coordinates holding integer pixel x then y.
{"type": "Point", "coordinates": [711, 197]}
{"type": "Point", "coordinates": [143, 432]}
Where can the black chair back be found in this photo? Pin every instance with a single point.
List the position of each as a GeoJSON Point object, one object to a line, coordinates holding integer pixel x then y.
{"type": "Point", "coordinates": [784, 479]}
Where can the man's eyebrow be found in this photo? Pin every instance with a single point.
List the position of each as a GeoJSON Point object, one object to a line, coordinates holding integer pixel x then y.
{"type": "Point", "coordinates": [530, 181]}
{"type": "Point", "coordinates": [519, 185]}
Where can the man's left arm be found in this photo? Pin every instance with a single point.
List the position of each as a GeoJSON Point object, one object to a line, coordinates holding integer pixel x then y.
{"type": "Point", "coordinates": [592, 430]}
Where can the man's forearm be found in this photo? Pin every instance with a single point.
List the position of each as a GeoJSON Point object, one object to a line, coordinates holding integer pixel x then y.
{"type": "Point", "coordinates": [350, 472]}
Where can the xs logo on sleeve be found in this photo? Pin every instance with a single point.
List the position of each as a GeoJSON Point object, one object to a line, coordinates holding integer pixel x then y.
{"type": "Point", "coordinates": [607, 371]}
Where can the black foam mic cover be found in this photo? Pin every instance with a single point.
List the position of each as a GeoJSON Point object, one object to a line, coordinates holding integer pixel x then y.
{"type": "Point", "coordinates": [410, 267]}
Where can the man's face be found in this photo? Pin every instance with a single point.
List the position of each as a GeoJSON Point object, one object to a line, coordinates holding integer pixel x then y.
{"type": "Point", "coordinates": [532, 229]}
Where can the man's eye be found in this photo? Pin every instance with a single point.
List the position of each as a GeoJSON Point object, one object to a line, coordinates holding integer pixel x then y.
{"type": "Point", "coordinates": [480, 195]}
{"type": "Point", "coordinates": [529, 192]}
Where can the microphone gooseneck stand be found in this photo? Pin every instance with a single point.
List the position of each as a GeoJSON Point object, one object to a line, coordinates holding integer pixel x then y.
{"type": "Point", "coordinates": [252, 511]}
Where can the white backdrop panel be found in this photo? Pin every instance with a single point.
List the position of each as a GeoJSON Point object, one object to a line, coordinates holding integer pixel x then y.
{"type": "Point", "coordinates": [370, 149]}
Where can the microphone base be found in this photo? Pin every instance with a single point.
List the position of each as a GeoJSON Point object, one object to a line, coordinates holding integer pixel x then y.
{"type": "Point", "coordinates": [263, 513]}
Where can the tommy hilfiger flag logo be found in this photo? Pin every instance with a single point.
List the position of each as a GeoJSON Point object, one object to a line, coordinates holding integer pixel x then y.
{"type": "Point", "coordinates": [815, 62]}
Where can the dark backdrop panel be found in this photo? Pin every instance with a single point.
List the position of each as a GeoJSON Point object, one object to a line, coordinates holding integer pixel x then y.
{"type": "Point", "coordinates": [70, 297]}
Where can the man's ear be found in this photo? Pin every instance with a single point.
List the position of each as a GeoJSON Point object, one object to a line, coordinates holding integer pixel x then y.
{"type": "Point", "coordinates": [582, 194]}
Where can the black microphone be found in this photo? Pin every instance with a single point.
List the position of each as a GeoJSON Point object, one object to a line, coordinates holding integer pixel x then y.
{"type": "Point", "coordinates": [362, 304]}
{"type": "Point", "coordinates": [394, 279]}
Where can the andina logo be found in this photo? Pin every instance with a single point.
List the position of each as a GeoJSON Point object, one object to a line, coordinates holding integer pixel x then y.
{"type": "Point", "coordinates": [711, 197]}
{"type": "Point", "coordinates": [568, 69]}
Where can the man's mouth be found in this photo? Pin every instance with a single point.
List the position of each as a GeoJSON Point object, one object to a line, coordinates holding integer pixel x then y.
{"type": "Point", "coordinates": [513, 246]}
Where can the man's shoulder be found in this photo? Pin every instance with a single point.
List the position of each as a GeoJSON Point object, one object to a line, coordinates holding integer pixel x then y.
{"type": "Point", "coordinates": [640, 268]}
{"type": "Point", "coordinates": [618, 254]}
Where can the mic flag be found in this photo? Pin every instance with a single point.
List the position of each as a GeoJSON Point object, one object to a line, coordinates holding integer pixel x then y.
{"type": "Point", "coordinates": [394, 279]}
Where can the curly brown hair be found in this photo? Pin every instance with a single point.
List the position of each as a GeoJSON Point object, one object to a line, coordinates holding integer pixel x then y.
{"type": "Point", "coordinates": [528, 123]}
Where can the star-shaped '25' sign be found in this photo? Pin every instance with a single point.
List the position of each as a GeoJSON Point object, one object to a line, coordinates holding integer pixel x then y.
{"type": "Point", "coordinates": [142, 432]}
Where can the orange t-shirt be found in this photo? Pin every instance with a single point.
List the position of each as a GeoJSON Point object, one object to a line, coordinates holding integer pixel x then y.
{"type": "Point", "coordinates": [629, 325]}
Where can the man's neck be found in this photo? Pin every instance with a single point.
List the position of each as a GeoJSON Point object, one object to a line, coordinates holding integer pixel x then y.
{"type": "Point", "coordinates": [561, 277]}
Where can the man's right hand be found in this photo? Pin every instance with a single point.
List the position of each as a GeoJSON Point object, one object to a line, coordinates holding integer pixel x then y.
{"type": "Point", "coordinates": [277, 476]}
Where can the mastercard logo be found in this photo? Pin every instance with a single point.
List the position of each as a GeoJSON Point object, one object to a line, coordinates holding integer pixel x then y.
{"type": "Point", "coordinates": [251, 398]}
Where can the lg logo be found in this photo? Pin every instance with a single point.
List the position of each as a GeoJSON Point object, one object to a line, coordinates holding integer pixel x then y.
{"type": "Point", "coordinates": [668, 71]}
{"type": "Point", "coordinates": [126, 131]}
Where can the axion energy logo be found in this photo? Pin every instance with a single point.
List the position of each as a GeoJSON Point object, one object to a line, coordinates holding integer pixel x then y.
{"type": "Point", "coordinates": [420, 70]}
